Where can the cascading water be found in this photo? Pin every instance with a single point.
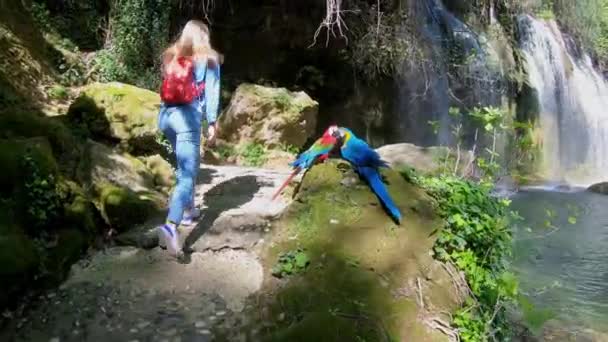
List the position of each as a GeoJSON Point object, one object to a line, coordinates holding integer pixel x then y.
{"type": "Point", "coordinates": [454, 71]}
{"type": "Point", "coordinates": [573, 103]}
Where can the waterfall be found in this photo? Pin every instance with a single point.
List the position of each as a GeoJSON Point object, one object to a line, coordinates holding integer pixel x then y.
{"type": "Point", "coordinates": [573, 103]}
{"type": "Point", "coordinates": [428, 89]}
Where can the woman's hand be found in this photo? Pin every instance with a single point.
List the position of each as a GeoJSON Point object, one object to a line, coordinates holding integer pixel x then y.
{"type": "Point", "coordinates": [211, 134]}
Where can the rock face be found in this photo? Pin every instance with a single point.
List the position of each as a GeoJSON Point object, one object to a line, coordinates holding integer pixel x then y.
{"type": "Point", "coordinates": [269, 116]}
{"type": "Point", "coordinates": [425, 159]}
{"type": "Point", "coordinates": [36, 199]}
{"type": "Point", "coordinates": [120, 113]}
{"type": "Point", "coordinates": [124, 189]}
{"type": "Point", "coordinates": [358, 259]}
{"type": "Point", "coordinates": [600, 188]}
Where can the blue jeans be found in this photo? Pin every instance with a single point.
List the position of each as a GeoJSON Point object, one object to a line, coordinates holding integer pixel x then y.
{"type": "Point", "coordinates": [180, 127]}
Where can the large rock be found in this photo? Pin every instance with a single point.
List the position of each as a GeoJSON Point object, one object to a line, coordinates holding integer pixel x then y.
{"type": "Point", "coordinates": [358, 259]}
{"type": "Point", "coordinates": [270, 116]}
{"type": "Point", "coordinates": [124, 189]}
{"type": "Point", "coordinates": [599, 188]}
{"type": "Point", "coordinates": [425, 159]}
{"type": "Point", "coordinates": [18, 259]}
{"type": "Point", "coordinates": [118, 112]}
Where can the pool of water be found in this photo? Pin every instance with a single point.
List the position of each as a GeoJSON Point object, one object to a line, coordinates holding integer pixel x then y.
{"type": "Point", "coordinates": [561, 254]}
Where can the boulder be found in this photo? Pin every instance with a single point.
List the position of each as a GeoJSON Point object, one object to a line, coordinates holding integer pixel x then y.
{"type": "Point", "coordinates": [123, 208]}
{"type": "Point", "coordinates": [358, 258]}
{"type": "Point", "coordinates": [425, 159]}
{"type": "Point", "coordinates": [18, 262]}
{"type": "Point", "coordinates": [123, 188]}
{"type": "Point", "coordinates": [269, 116]}
{"type": "Point", "coordinates": [164, 175]}
{"type": "Point", "coordinates": [599, 188]}
{"type": "Point", "coordinates": [102, 164]}
{"type": "Point", "coordinates": [120, 113]}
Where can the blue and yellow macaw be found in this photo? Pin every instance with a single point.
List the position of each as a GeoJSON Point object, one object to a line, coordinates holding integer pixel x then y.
{"type": "Point", "coordinates": [366, 162]}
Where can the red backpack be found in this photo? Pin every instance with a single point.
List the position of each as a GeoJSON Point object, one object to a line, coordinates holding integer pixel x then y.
{"type": "Point", "coordinates": [178, 86]}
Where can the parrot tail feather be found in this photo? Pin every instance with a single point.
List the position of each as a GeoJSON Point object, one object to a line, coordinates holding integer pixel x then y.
{"type": "Point", "coordinates": [293, 174]}
{"type": "Point", "coordinates": [373, 178]}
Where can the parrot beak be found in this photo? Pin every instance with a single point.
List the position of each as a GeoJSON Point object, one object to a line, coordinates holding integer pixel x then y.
{"type": "Point", "coordinates": [334, 131]}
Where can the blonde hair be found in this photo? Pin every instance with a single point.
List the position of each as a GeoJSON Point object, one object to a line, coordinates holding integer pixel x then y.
{"type": "Point", "coordinates": [193, 42]}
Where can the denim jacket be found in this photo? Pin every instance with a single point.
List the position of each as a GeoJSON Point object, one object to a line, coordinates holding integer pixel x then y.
{"type": "Point", "coordinates": [208, 102]}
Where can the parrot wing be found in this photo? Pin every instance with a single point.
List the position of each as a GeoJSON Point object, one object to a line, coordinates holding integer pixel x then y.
{"type": "Point", "coordinates": [319, 151]}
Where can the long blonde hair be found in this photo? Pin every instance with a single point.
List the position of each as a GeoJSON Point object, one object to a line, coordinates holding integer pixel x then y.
{"type": "Point", "coordinates": [193, 42]}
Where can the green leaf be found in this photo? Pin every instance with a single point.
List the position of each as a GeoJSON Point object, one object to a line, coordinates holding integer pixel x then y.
{"type": "Point", "coordinates": [571, 219]}
{"type": "Point", "coordinates": [302, 260]}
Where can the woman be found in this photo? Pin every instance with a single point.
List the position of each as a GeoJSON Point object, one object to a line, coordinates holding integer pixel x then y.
{"type": "Point", "coordinates": [181, 123]}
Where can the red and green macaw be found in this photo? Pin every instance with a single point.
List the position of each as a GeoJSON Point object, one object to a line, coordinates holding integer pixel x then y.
{"type": "Point", "coordinates": [317, 153]}
{"type": "Point", "coordinates": [366, 162]}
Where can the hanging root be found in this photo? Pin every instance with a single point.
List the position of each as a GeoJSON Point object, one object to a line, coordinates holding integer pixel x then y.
{"type": "Point", "coordinates": [333, 22]}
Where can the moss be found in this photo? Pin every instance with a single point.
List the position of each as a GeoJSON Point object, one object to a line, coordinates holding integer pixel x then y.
{"type": "Point", "coordinates": [79, 211]}
{"type": "Point", "coordinates": [274, 117]}
{"type": "Point", "coordinates": [12, 153]}
{"type": "Point", "coordinates": [20, 123]}
{"type": "Point", "coordinates": [123, 208]}
{"type": "Point", "coordinates": [162, 171]}
{"type": "Point", "coordinates": [18, 257]}
{"type": "Point", "coordinates": [359, 260]}
{"type": "Point", "coordinates": [118, 111]}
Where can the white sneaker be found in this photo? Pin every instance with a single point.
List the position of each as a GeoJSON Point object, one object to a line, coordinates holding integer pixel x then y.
{"type": "Point", "coordinates": [168, 237]}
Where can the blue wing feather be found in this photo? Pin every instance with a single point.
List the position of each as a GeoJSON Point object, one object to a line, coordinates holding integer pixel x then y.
{"type": "Point", "coordinates": [366, 162]}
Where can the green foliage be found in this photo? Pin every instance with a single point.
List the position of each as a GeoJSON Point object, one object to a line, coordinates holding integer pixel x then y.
{"type": "Point", "coordinates": [477, 240]}
{"type": "Point", "coordinates": [289, 263]}
{"type": "Point", "coordinates": [71, 70]}
{"type": "Point", "coordinates": [289, 148]}
{"type": "Point", "coordinates": [226, 151]}
{"type": "Point", "coordinates": [383, 40]}
{"type": "Point", "coordinates": [139, 31]}
{"type": "Point", "coordinates": [43, 195]}
{"type": "Point", "coordinates": [587, 20]}
{"type": "Point", "coordinates": [79, 21]}
{"type": "Point", "coordinates": [58, 92]}
{"type": "Point", "coordinates": [254, 154]}
{"type": "Point", "coordinates": [490, 118]}
{"type": "Point", "coordinates": [41, 16]}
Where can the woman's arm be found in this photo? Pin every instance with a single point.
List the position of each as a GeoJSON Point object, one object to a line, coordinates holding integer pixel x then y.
{"type": "Point", "coordinates": [212, 91]}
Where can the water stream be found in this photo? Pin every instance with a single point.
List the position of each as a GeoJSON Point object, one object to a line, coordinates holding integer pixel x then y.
{"type": "Point", "coordinates": [561, 255]}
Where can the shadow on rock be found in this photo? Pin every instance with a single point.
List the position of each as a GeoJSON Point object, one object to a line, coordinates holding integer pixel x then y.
{"type": "Point", "coordinates": [227, 195]}
{"type": "Point", "coordinates": [205, 176]}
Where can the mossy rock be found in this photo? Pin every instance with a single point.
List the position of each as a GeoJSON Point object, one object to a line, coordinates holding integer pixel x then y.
{"type": "Point", "coordinates": [22, 124]}
{"type": "Point", "coordinates": [424, 159]}
{"type": "Point", "coordinates": [120, 113]}
{"type": "Point", "coordinates": [363, 274]}
{"type": "Point", "coordinates": [599, 188]}
{"type": "Point", "coordinates": [164, 176]}
{"type": "Point", "coordinates": [79, 210]}
{"type": "Point", "coordinates": [71, 244]}
{"type": "Point", "coordinates": [12, 155]}
{"type": "Point", "coordinates": [103, 164]}
{"type": "Point", "coordinates": [269, 116]}
{"type": "Point", "coordinates": [123, 208]}
{"type": "Point", "coordinates": [122, 187]}
{"type": "Point", "coordinates": [18, 257]}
